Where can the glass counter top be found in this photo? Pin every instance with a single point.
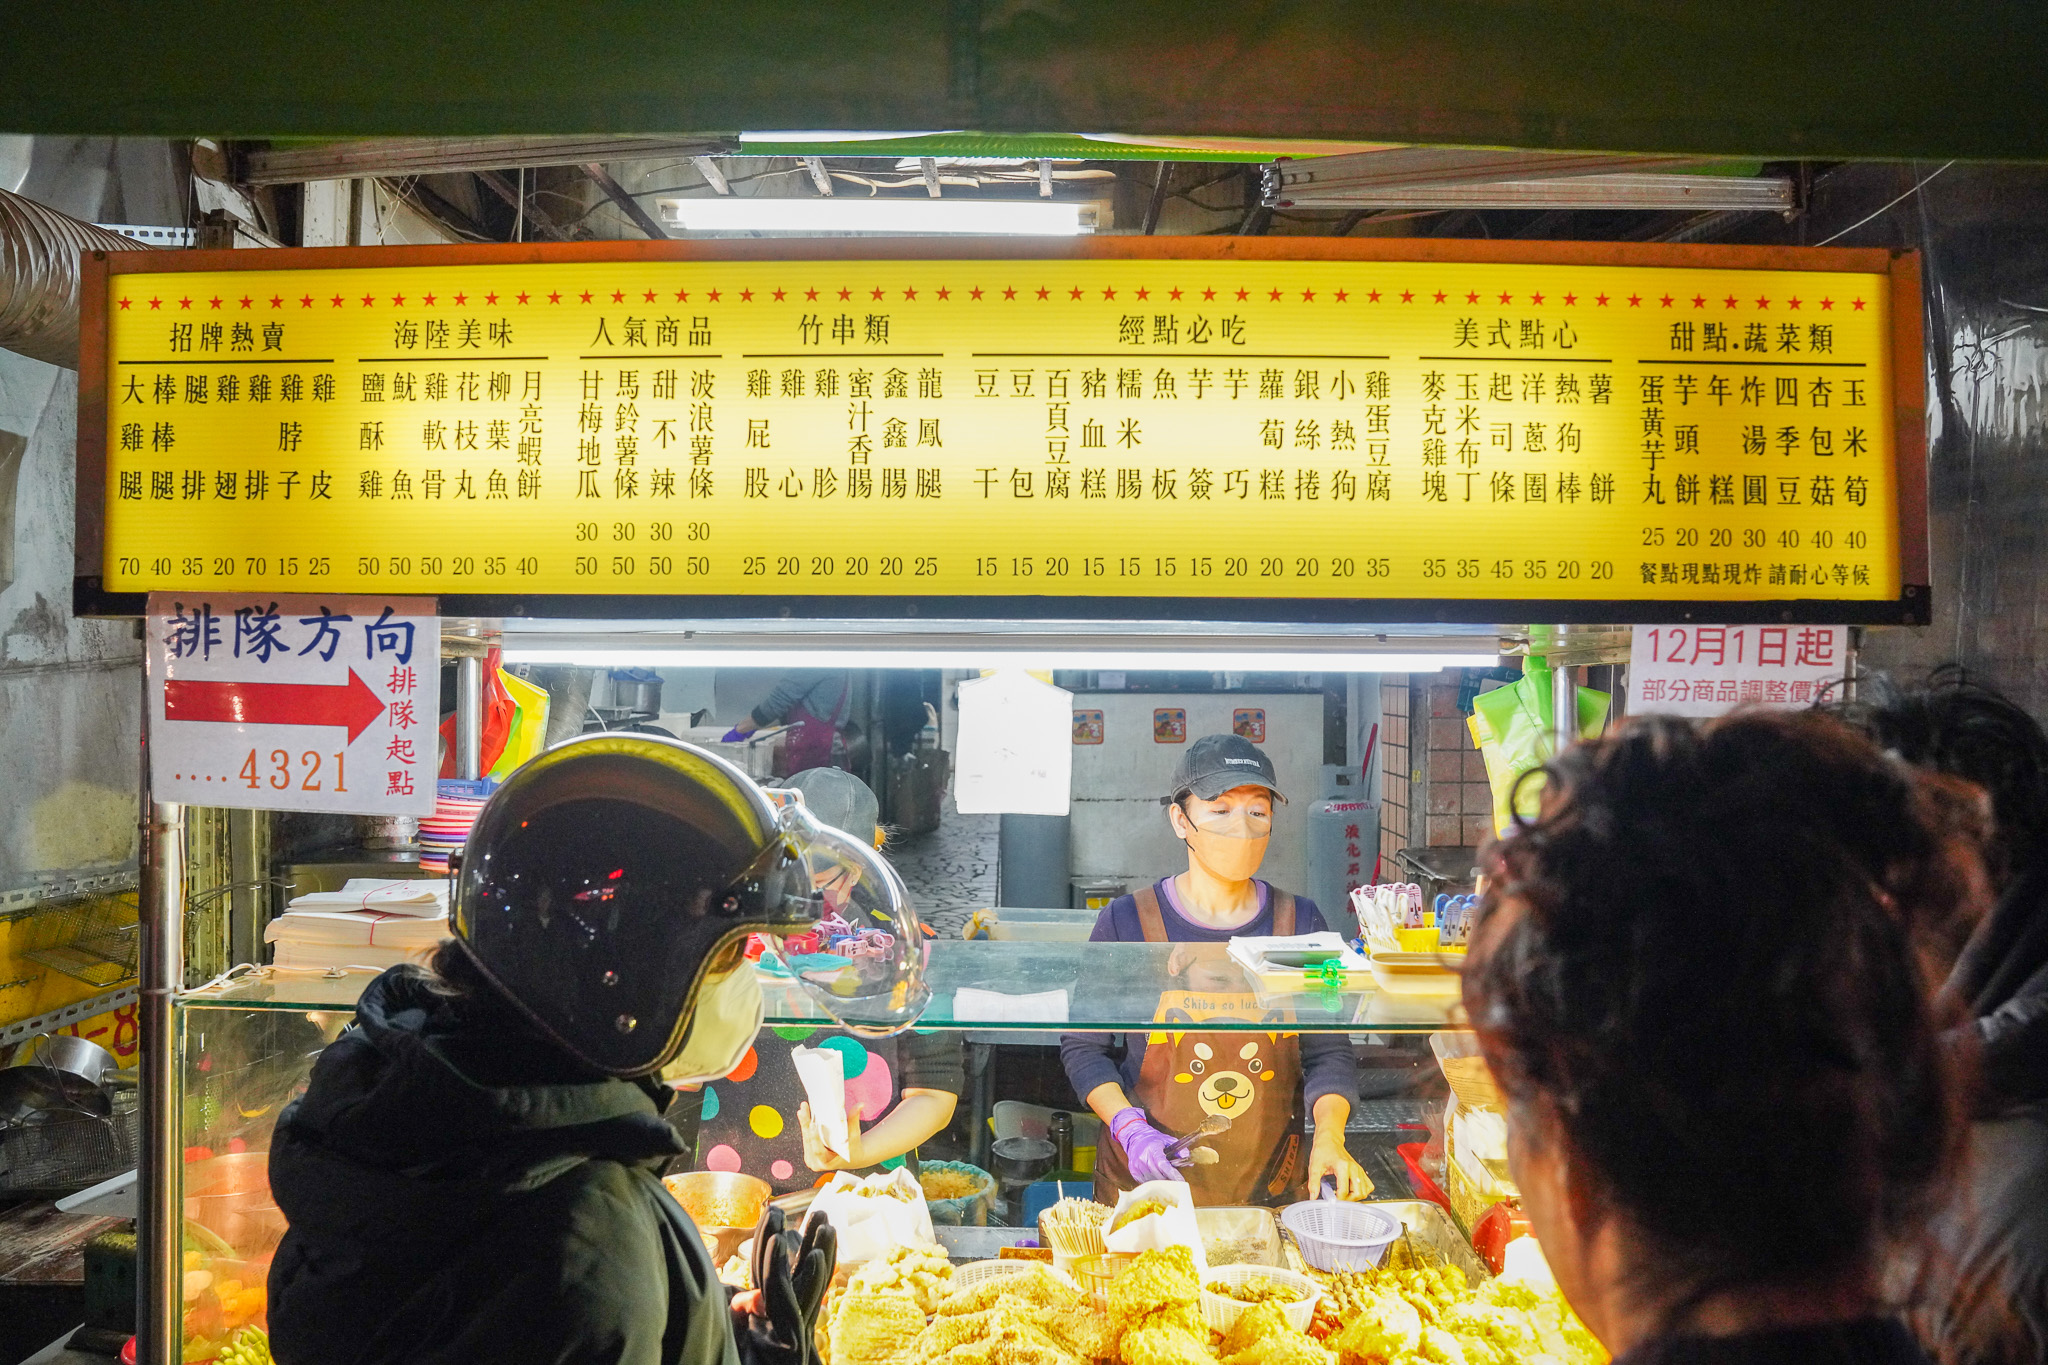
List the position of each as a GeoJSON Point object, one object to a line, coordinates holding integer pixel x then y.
{"type": "Point", "coordinates": [1030, 988]}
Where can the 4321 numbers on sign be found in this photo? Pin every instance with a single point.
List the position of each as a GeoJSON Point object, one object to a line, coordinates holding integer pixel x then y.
{"type": "Point", "coordinates": [306, 771]}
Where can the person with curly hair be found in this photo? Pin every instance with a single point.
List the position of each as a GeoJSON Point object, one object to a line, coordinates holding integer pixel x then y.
{"type": "Point", "coordinates": [1986, 1302]}
{"type": "Point", "coordinates": [1701, 977]}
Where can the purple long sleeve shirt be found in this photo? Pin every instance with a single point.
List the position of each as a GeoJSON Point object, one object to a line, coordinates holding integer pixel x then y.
{"type": "Point", "coordinates": [1328, 1066]}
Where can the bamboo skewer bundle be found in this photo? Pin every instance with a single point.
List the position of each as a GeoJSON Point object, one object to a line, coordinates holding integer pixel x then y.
{"type": "Point", "coordinates": [1073, 1227]}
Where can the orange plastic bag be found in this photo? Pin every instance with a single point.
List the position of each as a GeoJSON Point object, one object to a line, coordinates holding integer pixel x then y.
{"type": "Point", "coordinates": [499, 709]}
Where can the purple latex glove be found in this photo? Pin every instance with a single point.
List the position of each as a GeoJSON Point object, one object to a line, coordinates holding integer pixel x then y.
{"type": "Point", "coordinates": [1144, 1146]}
{"type": "Point", "coordinates": [732, 736]}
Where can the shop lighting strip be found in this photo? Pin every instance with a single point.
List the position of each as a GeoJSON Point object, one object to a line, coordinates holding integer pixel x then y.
{"type": "Point", "coordinates": [1030, 217]}
{"type": "Point", "coordinates": [976, 656]}
{"type": "Point", "coordinates": [1687, 193]}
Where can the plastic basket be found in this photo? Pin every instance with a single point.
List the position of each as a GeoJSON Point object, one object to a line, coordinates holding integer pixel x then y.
{"type": "Point", "coordinates": [1469, 1200]}
{"type": "Point", "coordinates": [1095, 1274]}
{"type": "Point", "coordinates": [1338, 1236]}
{"type": "Point", "coordinates": [974, 1272]}
{"type": "Point", "coordinates": [1221, 1311]}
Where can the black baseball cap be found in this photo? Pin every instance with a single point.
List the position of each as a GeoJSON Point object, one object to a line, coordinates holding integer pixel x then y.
{"type": "Point", "coordinates": [1214, 764]}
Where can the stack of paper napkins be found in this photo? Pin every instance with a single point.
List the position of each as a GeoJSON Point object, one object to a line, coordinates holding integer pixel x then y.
{"type": "Point", "coordinates": [368, 925]}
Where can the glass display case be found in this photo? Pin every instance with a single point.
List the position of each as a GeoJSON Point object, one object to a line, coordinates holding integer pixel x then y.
{"type": "Point", "coordinates": [246, 1048]}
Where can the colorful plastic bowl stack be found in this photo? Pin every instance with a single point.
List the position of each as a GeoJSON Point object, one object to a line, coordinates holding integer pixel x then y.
{"type": "Point", "coordinates": [456, 806]}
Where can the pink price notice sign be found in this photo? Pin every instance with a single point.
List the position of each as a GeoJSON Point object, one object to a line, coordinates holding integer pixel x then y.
{"type": "Point", "coordinates": [1697, 670]}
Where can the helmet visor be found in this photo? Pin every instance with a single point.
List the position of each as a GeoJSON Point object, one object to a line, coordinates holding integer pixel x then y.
{"type": "Point", "coordinates": [862, 959]}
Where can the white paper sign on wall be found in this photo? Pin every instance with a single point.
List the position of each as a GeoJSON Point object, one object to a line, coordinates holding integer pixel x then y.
{"type": "Point", "coordinates": [1016, 746]}
{"type": "Point", "coordinates": [295, 703]}
{"type": "Point", "coordinates": [1706, 670]}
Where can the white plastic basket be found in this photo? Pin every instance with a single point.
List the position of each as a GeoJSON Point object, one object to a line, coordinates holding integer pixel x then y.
{"type": "Point", "coordinates": [1221, 1311]}
{"type": "Point", "coordinates": [974, 1272]}
{"type": "Point", "coordinates": [1339, 1236]}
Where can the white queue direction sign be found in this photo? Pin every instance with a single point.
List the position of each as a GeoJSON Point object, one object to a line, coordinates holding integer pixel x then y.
{"type": "Point", "coordinates": [315, 703]}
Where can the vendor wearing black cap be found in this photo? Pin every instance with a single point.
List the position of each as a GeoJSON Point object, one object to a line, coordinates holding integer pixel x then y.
{"type": "Point", "coordinates": [1221, 807]}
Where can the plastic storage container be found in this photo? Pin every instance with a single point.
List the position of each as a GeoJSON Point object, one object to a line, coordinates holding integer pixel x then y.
{"type": "Point", "coordinates": [1221, 1311]}
{"type": "Point", "coordinates": [1338, 1236]}
{"type": "Point", "coordinates": [967, 1210]}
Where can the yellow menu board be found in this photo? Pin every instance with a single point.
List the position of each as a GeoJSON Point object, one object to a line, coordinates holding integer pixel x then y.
{"type": "Point", "coordinates": [1116, 427]}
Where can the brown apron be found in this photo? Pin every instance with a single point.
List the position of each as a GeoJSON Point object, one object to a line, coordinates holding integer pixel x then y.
{"type": "Point", "coordinates": [1254, 1079]}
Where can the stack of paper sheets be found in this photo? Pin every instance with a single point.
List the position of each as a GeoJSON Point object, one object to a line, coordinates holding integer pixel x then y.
{"type": "Point", "coordinates": [368, 925]}
{"type": "Point", "coordinates": [1250, 954]}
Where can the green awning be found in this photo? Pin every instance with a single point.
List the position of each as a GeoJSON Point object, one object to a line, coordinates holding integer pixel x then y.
{"type": "Point", "coordinates": [1739, 78]}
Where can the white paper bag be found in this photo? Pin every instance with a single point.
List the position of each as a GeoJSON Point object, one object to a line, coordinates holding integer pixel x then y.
{"type": "Point", "coordinates": [1174, 1228]}
{"type": "Point", "coordinates": [870, 1224]}
{"type": "Point", "coordinates": [823, 1073]}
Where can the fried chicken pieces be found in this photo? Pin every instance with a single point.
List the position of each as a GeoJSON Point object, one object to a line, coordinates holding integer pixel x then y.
{"type": "Point", "coordinates": [1155, 1309]}
{"type": "Point", "coordinates": [1037, 1317]}
{"type": "Point", "coordinates": [1431, 1317]}
{"type": "Point", "coordinates": [921, 1271]}
{"type": "Point", "coordinates": [1031, 1317]}
{"type": "Point", "coordinates": [875, 1327]}
{"type": "Point", "coordinates": [1156, 1305]}
{"type": "Point", "coordinates": [1261, 1336]}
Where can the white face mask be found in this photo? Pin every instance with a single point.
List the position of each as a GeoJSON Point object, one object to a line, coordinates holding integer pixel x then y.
{"type": "Point", "coordinates": [722, 1027]}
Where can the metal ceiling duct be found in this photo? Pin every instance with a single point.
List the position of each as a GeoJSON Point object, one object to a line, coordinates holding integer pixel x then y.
{"type": "Point", "coordinates": [1655, 193]}
{"type": "Point", "coordinates": [399, 156]}
{"type": "Point", "coordinates": [1415, 167]}
{"type": "Point", "coordinates": [39, 268]}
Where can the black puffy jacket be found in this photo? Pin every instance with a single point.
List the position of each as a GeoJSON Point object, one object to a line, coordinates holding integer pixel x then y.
{"type": "Point", "coordinates": [459, 1191]}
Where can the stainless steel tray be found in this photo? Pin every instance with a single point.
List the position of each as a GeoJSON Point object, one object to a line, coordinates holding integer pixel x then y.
{"type": "Point", "coordinates": [1429, 1226]}
{"type": "Point", "coordinates": [1240, 1234]}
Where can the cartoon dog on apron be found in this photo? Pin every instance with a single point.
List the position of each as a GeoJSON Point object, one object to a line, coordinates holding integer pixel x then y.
{"type": "Point", "coordinates": [1252, 1079]}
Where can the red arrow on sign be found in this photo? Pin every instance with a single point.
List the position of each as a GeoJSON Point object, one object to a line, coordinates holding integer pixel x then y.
{"type": "Point", "coordinates": [351, 704]}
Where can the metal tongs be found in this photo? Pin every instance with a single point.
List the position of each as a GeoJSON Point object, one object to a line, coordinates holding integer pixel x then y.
{"type": "Point", "coordinates": [1210, 1127]}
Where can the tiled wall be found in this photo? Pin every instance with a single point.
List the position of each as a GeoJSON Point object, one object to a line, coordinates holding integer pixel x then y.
{"type": "Point", "coordinates": [1394, 769]}
{"type": "Point", "coordinates": [1457, 801]}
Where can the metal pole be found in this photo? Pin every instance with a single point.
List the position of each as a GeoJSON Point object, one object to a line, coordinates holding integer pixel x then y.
{"type": "Point", "coordinates": [159, 1241]}
{"type": "Point", "coordinates": [1564, 708]}
{"type": "Point", "coordinates": [469, 717]}
{"type": "Point", "coordinates": [247, 901]}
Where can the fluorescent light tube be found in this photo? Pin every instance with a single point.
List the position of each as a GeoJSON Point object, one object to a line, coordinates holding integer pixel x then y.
{"type": "Point", "coordinates": [893, 217]}
{"type": "Point", "coordinates": [975, 656]}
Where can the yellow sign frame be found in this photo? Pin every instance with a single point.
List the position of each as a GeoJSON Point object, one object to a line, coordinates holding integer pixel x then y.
{"type": "Point", "coordinates": [1664, 283]}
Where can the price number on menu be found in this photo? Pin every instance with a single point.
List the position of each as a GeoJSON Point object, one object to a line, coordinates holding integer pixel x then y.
{"type": "Point", "coordinates": [306, 770]}
{"type": "Point", "coordinates": [839, 566]}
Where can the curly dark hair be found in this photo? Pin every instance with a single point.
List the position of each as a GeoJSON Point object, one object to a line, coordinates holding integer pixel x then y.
{"type": "Point", "coordinates": [1956, 725]}
{"type": "Point", "coordinates": [1702, 960]}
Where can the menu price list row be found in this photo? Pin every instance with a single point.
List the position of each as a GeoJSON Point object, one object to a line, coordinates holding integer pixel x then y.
{"type": "Point", "coordinates": [679, 550]}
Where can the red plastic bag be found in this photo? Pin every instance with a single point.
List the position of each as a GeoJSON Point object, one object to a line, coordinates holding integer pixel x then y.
{"type": "Point", "coordinates": [499, 708]}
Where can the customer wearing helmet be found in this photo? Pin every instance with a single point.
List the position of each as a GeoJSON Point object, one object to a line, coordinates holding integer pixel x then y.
{"type": "Point", "coordinates": [1700, 979]}
{"type": "Point", "coordinates": [471, 1174]}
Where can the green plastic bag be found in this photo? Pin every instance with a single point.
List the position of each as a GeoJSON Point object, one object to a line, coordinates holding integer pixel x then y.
{"type": "Point", "coordinates": [1511, 727]}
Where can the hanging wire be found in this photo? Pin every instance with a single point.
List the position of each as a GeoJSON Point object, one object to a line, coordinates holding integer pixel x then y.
{"type": "Point", "coordinates": [1918, 186]}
